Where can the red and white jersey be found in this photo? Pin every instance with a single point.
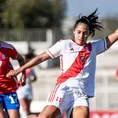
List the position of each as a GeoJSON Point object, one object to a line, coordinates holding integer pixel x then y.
{"type": "Point", "coordinates": [77, 63]}
{"type": "Point", "coordinates": [7, 51]}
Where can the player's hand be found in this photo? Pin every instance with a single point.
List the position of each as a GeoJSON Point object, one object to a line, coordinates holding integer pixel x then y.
{"type": "Point", "coordinates": [11, 73]}
{"type": "Point", "coordinates": [21, 82]}
{"type": "Point", "coordinates": [23, 79]}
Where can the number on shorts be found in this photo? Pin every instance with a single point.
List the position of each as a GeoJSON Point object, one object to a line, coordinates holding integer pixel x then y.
{"type": "Point", "coordinates": [58, 99]}
{"type": "Point", "coordinates": [12, 99]}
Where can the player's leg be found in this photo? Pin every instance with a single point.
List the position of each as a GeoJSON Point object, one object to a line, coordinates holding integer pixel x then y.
{"type": "Point", "coordinates": [25, 97]}
{"type": "Point", "coordinates": [12, 105]}
{"type": "Point", "coordinates": [49, 111]}
{"type": "Point", "coordinates": [13, 113]}
{"type": "Point", "coordinates": [2, 112]}
{"type": "Point", "coordinates": [80, 112]}
{"type": "Point", "coordinates": [25, 106]}
{"type": "Point", "coordinates": [28, 106]}
{"type": "Point", "coordinates": [58, 101]}
{"type": "Point", "coordinates": [81, 108]}
{"type": "Point", "coordinates": [54, 104]}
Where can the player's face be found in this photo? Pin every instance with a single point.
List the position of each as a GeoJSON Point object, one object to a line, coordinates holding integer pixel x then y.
{"type": "Point", "coordinates": [81, 33]}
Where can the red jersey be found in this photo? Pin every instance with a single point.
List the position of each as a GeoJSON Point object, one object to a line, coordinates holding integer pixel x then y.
{"type": "Point", "coordinates": [7, 51]}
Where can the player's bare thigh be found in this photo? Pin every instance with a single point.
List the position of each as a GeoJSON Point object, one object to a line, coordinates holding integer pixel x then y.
{"type": "Point", "coordinates": [48, 112]}
{"type": "Point", "coordinates": [13, 113]}
{"type": "Point", "coordinates": [80, 112]}
{"type": "Point", "coordinates": [25, 103]}
{"type": "Point", "coordinates": [2, 114]}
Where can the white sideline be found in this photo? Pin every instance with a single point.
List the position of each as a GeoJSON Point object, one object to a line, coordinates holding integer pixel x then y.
{"type": "Point", "coordinates": [37, 106]}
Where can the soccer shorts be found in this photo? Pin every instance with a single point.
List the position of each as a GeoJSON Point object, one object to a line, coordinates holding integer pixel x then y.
{"type": "Point", "coordinates": [25, 92]}
{"type": "Point", "coordinates": [66, 98]}
{"type": "Point", "coordinates": [10, 101]}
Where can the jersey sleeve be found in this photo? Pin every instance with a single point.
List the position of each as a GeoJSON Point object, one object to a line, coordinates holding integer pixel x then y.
{"type": "Point", "coordinates": [100, 46]}
{"type": "Point", "coordinates": [56, 49]}
{"type": "Point", "coordinates": [9, 50]}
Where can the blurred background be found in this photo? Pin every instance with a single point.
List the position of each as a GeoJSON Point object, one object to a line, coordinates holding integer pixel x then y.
{"type": "Point", "coordinates": [35, 25]}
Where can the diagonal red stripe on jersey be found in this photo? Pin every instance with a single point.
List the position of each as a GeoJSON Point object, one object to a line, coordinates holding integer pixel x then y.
{"type": "Point", "coordinates": [77, 65]}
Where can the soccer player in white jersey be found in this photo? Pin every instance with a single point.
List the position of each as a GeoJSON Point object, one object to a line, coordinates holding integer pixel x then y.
{"type": "Point", "coordinates": [78, 64]}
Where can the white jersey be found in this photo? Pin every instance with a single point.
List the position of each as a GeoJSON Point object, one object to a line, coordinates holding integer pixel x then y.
{"type": "Point", "coordinates": [77, 63]}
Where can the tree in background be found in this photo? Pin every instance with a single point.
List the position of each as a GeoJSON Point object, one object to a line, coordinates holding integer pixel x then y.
{"type": "Point", "coordinates": [2, 3]}
{"type": "Point", "coordinates": [31, 13]}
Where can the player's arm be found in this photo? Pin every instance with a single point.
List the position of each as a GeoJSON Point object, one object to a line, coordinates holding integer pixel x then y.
{"type": "Point", "coordinates": [21, 62]}
{"type": "Point", "coordinates": [33, 62]}
{"type": "Point", "coordinates": [112, 38]}
{"type": "Point", "coordinates": [20, 59]}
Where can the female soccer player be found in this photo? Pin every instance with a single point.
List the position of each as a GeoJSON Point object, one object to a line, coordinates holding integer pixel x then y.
{"type": "Point", "coordinates": [8, 86]}
{"type": "Point", "coordinates": [78, 64]}
{"type": "Point", "coordinates": [25, 93]}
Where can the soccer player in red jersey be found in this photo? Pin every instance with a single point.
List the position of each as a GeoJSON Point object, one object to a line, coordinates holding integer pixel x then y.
{"type": "Point", "coordinates": [76, 85]}
{"type": "Point", "coordinates": [8, 98]}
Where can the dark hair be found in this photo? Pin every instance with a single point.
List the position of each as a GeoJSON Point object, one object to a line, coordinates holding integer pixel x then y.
{"type": "Point", "coordinates": [30, 54]}
{"type": "Point", "coordinates": [91, 21]}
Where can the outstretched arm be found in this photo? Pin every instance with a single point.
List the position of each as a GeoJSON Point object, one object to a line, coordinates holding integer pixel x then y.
{"type": "Point", "coordinates": [112, 38]}
{"type": "Point", "coordinates": [33, 62]}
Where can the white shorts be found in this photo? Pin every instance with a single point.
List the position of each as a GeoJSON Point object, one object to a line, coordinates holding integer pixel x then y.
{"type": "Point", "coordinates": [25, 92]}
{"type": "Point", "coordinates": [66, 98]}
